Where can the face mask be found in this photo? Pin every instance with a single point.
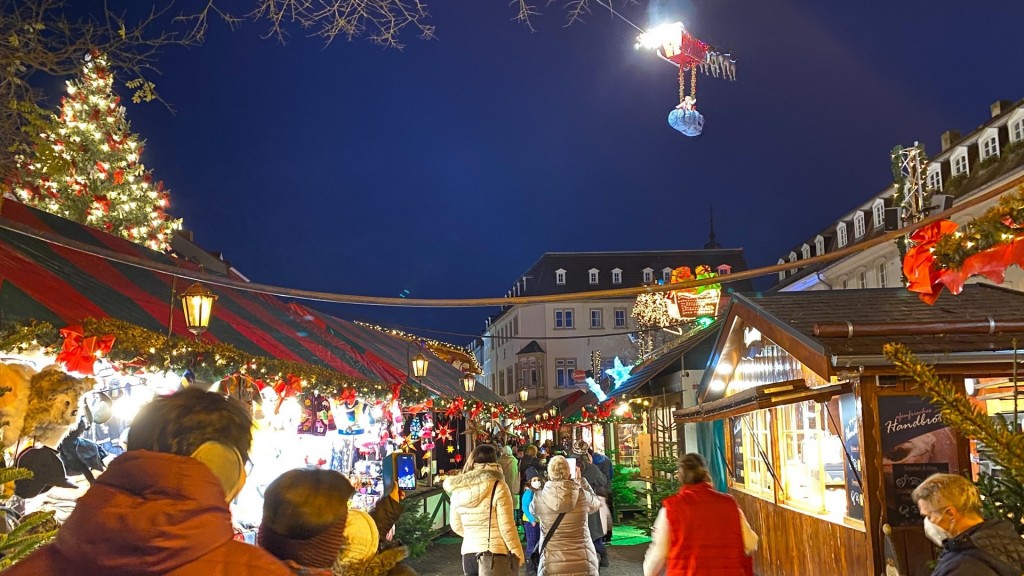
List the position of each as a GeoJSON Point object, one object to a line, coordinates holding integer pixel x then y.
{"type": "Point", "coordinates": [935, 533]}
{"type": "Point", "coordinates": [535, 485]}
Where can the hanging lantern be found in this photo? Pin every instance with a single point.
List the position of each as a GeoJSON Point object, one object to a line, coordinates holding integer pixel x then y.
{"type": "Point", "coordinates": [198, 305]}
{"type": "Point", "coordinates": [553, 411]}
{"type": "Point", "coordinates": [468, 382]}
{"type": "Point", "coordinates": [524, 395]}
{"type": "Point", "coordinates": [420, 365]}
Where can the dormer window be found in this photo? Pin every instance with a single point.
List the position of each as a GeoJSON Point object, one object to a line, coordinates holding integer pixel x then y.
{"type": "Point", "coordinates": [878, 213]}
{"type": "Point", "coordinates": [990, 147]}
{"type": "Point", "coordinates": [560, 277]}
{"type": "Point", "coordinates": [666, 274]}
{"type": "Point", "coordinates": [617, 276]}
{"type": "Point", "coordinates": [648, 275]}
{"type": "Point", "coordinates": [723, 269]}
{"type": "Point", "coordinates": [841, 234]}
{"type": "Point", "coordinates": [960, 165]}
{"type": "Point", "coordinates": [1017, 131]}
{"type": "Point", "coordinates": [858, 225]}
{"type": "Point", "coordinates": [805, 251]}
{"type": "Point", "coordinates": [782, 273]}
{"type": "Point", "coordinates": [593, 274]}
{"type": "Point", "coordinates": [935, 180]}
{"type": "Point", "coordinates": [792, 256]}
{"type": "Point", "coordinates": [819, 245]}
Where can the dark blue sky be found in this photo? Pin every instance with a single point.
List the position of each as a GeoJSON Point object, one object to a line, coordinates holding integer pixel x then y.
{"type": "Point", "coordinates": [448, 168]}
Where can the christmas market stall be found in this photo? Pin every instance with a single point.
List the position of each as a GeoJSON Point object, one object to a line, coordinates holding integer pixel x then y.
{"type": "Point", "coordinates": [324, 392]}
{"type": "Point", "coordinates": [823, 441]}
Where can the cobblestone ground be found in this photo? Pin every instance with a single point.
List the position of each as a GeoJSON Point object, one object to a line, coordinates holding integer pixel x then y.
{"type": "Point", "coordinates": [445, 560]}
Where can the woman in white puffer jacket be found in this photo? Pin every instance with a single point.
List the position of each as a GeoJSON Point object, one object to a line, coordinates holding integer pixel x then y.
{"type": "Point", "coordinates": [474, 514]}
{"type": "Point", "coordinates": [571, 549]}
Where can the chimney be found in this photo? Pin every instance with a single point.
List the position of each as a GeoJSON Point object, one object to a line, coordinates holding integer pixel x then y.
{"type": "Point", "coordinates": [1000, 106]}
{"type": "Point", "coordinates": [948, 138]}
{"type": "Point", "coordinates": [186, 234]}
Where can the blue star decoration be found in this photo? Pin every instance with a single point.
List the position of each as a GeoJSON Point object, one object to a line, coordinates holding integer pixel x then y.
{"type": "Point", "coordinates": [619, 373]}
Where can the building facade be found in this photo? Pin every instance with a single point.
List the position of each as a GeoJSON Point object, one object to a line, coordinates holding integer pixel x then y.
{"type": "Point", "coordinates": [965, 167]}
{"type": "Point", "coordinates": [548, 348]}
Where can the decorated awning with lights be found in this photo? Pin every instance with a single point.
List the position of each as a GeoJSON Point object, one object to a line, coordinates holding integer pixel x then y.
{"type": "Point", "coordinates": [259, 335]}
{"type": "Point", "coordinates": [663, 359]}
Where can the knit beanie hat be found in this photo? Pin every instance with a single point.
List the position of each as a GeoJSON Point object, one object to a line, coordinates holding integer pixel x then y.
{"type": "Point", "coordinates": [580, 447]}
{"type": "Point", "coordinates": [304, 513]}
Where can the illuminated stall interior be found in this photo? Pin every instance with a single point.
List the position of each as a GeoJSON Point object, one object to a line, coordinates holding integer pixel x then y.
{"type": "Point", "coordinates": [822, 442]}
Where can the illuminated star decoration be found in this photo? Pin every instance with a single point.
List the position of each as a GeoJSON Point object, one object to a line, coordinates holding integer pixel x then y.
{"type": "Point", "coordinates": [424, 471]}
{"type": "Point", "coordinates": [619, 373]}
{"type": "Point", "coordinates": [409, 444]}
{"type": "Point", "coordinates": [451, 449]}
{"type": "Point", "coordinates": [596, 389]}
{"type": "Point", "coordinates": [458, 457]}
{"type": "Point", "coordinates": [444, 433]}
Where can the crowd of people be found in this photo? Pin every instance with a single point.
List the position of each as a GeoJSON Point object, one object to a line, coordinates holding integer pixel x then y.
{"type": "Point", "coordinates": [162, 507]}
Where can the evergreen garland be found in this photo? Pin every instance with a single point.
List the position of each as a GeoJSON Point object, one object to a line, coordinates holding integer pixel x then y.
{"type": "Point", "coordinates": [152, 351]}
{"type": "Point", "coordinates": [998, 225]}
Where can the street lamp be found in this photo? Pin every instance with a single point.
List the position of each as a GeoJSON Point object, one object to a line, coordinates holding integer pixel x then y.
{"type": "Point", "coordinates": [553, 411]}
{"type": "Point", "coordinates": [468, 382]}
{"type": "Point", "coordinates": [524, 395]}
{"type": "Point", "coordinates": [198, 305]}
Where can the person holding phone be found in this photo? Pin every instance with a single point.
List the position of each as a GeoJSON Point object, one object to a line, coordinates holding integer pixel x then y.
{"type": "Point", "coordinates": [561, 507]}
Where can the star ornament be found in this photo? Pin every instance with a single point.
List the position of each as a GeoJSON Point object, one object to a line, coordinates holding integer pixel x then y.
{"type": "Point", "coordinates": [444, 433]}
{"type": "Point", "coordinates": [458, 458]}
{"type": "Point", "coordinates": [451, 449]}
{"type": "Point", "coordinates": [619, 373]}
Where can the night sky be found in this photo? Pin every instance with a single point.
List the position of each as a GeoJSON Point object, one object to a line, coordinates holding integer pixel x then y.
{"type": "Point", "coordinates": [448, 168]}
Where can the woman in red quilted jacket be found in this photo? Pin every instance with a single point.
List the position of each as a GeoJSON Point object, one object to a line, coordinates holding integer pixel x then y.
{"type": "Point", "coordinates": [700, 531]}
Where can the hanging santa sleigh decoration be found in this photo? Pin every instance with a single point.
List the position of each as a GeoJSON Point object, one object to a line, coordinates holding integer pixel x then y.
{"type": "Point", "coordinates": [674, 44]}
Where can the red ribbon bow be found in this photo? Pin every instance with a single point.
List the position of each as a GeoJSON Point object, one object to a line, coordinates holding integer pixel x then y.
{"type": "Point", "coordinates": [348, 395]}
{"type": "Point", "coordinates": [79, 353]}
{"type": "Point", "coordinates": [456, 407]}
{"type": "Point", "coordinates": [919, 263]}
{"type": "Point", "coordinates": [476, 409]}
{"type": "Point", "coordinates": [290, 386]}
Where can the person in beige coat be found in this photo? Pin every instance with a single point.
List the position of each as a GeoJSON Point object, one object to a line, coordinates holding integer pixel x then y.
{"type": "Point", "coordinates": [474, 514]}
{"type": "Point", "coordinates": [571, 549]}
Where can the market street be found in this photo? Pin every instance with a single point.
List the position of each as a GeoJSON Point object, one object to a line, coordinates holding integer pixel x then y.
{"type": "Point", "coordinates": [445, 560]}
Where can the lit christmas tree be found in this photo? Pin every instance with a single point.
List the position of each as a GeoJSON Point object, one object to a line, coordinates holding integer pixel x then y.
{"type": "Point", "coordinates": [86, 166]}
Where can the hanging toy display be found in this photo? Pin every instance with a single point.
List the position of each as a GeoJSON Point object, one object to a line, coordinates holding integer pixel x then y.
{"type": "Point", "coordinates": [674, 44]}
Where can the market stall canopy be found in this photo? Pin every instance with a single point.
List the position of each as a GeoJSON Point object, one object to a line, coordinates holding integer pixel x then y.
{"type": "Point", "coordinates": [574, 409]}
{"type": "Point", "coordinates": [663, 359]}
{"type": "Point", "coordinates": [560, 404]}
{"type": "Point", "coordinates": [59, 285]}
{"type": "Point", "coordinates": [791, 337]}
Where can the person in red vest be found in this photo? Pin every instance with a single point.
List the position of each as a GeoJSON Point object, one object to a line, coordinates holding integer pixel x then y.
{"type": "Point", "coordinates": [700, 531]}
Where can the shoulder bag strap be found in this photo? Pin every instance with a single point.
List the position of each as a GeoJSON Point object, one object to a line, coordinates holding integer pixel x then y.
{"type": "Point", "coordinates": [490, 516]}
{"type": "Point", "coordinates": [550, 533]}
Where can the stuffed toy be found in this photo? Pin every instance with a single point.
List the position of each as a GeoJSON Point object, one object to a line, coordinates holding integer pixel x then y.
{"type": "Point", "coordinates": [14, 380]}
{"type": "Point", "coordinates": [53, 403]}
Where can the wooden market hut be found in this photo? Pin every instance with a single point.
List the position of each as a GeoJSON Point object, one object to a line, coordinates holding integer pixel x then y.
{"type": "Point", "coordinates": [823, 442]}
